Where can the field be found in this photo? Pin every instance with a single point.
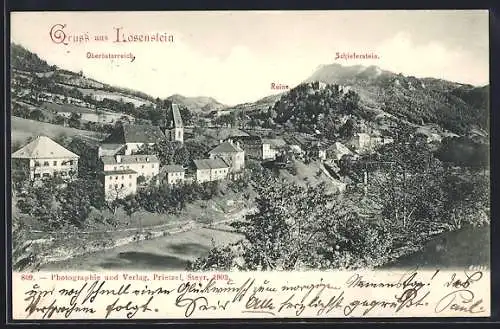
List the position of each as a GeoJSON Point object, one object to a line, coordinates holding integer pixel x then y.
{"type": "Point", "coordinates": [22, 129]}
{"type": "Point", "coordinates": [100, 95]}
{"type": "Point", "coordinates": [165, 253]}
{"type": "Point", "coordinates": [66, 108]}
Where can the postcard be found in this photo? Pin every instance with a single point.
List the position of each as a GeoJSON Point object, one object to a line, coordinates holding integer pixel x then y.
{"type": "Point", "coordinates": [249, 164]}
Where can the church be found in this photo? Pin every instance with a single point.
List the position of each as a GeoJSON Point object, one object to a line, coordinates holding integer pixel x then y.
{"type": "Point", "coordinates": [127, 138]}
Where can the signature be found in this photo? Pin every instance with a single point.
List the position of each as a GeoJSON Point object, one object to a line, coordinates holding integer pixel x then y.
{"type": "Point", "coordinates": [462, 300]}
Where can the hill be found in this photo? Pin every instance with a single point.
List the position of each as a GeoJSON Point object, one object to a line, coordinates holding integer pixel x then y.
{"type": "Point", "coordinates": [22, 129]}
{"type": "Point", "coordinates": [457, 107]}
{"type": "Point", "coordinates": [197, 104]}
{"type": "Point", "coordinates": [23, 59]}
{"type": "Point", "coordinates": [259, 105]}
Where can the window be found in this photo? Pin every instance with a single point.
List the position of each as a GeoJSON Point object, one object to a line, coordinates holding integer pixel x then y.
{"type": "Point", "coordinates": [63, 173]}
{"type": "Point", "coordinates": [70, 162]}
{"type": "Point", "coordinates": [110, 186]}
{"type": "Point", "coordinates": [116, 177]}
{"type": "Point", "coordinates": [37, 163]}
{"type": "Point", "coordinates": [37, 175]}
{"type": "Point", "coordinates": [153, 165]}
{"type": "Point", "coordinates": [46, 175]}
{"type": "Point", "coordinates": [45, 163]}
{"type": "Point", "coordinates": [114, 168]}
{"type": "Point", "coordinates": [55, 163]}
{"type": "Point", "coordinates": [116, 185]}
{"type": "Point", "coordinates": [179, 134]}
{"type": "Point", "coordinates": [123, 177]}
{"type": "Point", "coordinates": [122, 186]}
{"type": "Point", "coordinates": [142, 166]}
{"type": "Point", "coordinates": [130, 176]}
{"type": "Point", "coordinates": [129, 184]}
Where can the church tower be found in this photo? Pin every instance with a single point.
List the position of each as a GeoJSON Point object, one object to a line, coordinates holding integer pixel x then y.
{"type": "Point", "coordinates": [175, 130]}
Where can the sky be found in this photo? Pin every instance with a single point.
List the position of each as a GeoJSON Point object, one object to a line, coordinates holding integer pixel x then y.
{"type": "Point", "coordinates": [235, 56]}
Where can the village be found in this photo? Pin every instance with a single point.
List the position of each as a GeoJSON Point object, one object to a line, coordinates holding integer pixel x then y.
{"type": "Point", "coordinates": [123, 171]}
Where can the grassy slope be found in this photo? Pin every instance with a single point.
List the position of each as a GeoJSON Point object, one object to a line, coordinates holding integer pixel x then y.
{"type": "Point", "coordinates": [21, 129]}
{"type": "Point", "coordinates": [307, 174]}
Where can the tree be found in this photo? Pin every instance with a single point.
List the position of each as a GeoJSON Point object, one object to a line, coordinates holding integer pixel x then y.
{"type": "Point", "coordinates": [37, 115]}
{"type": "Point", "coordinates": [130, 205]}
{"type": "Point", "coordinates": [75, 202]}
{"type": "Point", "coordinates": [348, 129]}
{"type": "Point", "coordinates": [299, 228]}
{"type": "Point", "coordinates": [74, 120]}
{"type": "Point", "coordinates": [114, 196]}
{"type": "Point", "coordinates": [19, 174]}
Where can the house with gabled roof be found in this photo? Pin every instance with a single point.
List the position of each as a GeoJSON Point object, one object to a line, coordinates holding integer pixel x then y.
{"type": "Point", "coordinates": [337, 150]}
{"type": "Point", "coordinates": [172, 174]}
{"type": "Point", "coordinates": [209, 170]}
{"type": "Point", "coordinates": [45, 158]}
{"type": "Point", "coordinates": [231, 153]}
{"type": "Point", "coordinates": [132, 137]}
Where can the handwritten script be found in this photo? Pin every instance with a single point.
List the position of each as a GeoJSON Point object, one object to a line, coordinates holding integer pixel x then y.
{"type": "Point", "coordinates": [249, 295]}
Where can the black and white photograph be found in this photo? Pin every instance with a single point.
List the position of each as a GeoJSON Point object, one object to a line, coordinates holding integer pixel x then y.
{"type": "Point", "coordinates": [250, 140]}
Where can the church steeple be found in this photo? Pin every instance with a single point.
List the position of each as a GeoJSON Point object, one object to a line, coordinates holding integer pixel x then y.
{"type": "Point", "coordinates": [175, 126]}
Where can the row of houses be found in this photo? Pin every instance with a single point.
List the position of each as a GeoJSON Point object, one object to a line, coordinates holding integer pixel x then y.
{"type": "Point", "coordinates": [123, 171]}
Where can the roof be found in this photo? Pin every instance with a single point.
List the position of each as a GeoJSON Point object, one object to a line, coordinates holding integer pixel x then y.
{"type": "Point", "coordinates": [127, 159]}
{"type": "Point", "coordinates": [120, 172]}
{"type": "Point", "coordinates": [43, 147]}
{"type": "Point", "coordinates": [130, 133]}
{"type": "Point", "coordinates": [276, 142]}
{"type": "Point", "coordinates": [142, 133]}
{"type": "Point", "coordinates": [248, 139]}
{"type": "Point", "coordinates": [111, 147]}
{"type": "Point", "coordinates": [337, 146]}
{"type": "Point", "coordinates": [172, 168]}
{"type": "Point", "coordinates": [177, 116]}
{"type": "Point", "coordinates": [226, 147]}
{"type": "Point", "coordinates": [210, 164]}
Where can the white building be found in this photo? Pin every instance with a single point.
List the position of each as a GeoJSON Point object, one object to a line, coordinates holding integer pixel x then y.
{"type": "Point", "coordinates": [360, 141]}
{"type": "Point", "coordinates": [147, 166]}
{"type": "Point", "coordinates": [45, 158]}
{"type": "Point", "coordinates": [173, 174]}
{"type": "Point", "coordinates": [119, 183]}
{"type": "Point", "coordinates": [209, 170]}
{"type": "Point", "coordinates": [255, 147]}
{"type": "Point", "coordinates": [121, 173]}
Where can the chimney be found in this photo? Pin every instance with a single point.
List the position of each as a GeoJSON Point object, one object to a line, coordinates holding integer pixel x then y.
{"type": "Point", "coordinates": [118, 158]}
{"type": "Point", "coordinates": [221, 141]}
{"type": "Point", "coordinates": [147, 159]}
{"type": "Point", "coordinates": [238, 144]}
